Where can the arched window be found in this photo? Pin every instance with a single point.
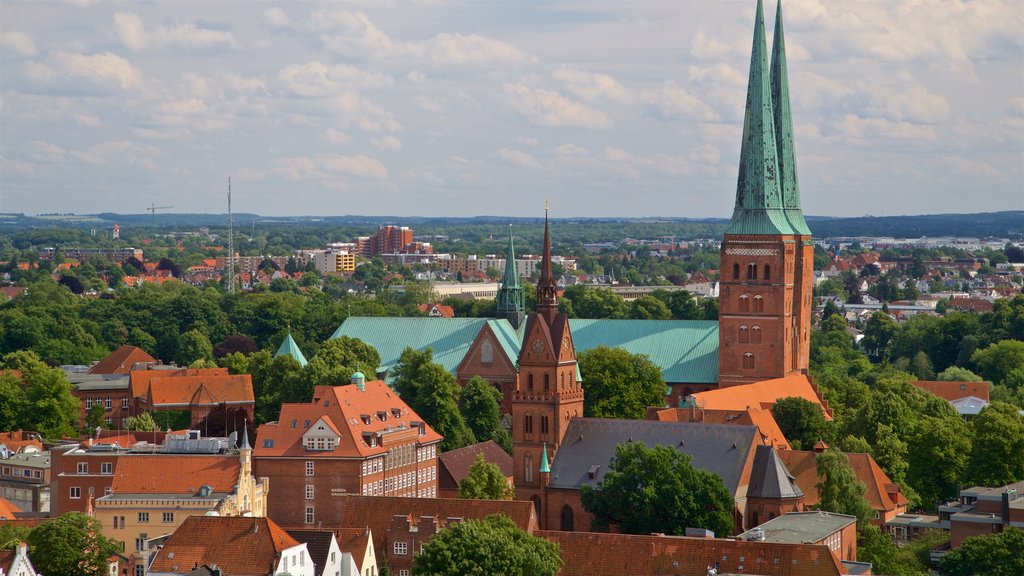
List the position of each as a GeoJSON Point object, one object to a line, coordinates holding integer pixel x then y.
{"type": "Point", "coordinates": [758, 303]}
{"type": "Point", "coordinates": [744, 303]}
{"type": "Point", "coordinates": [755, 335]}
{"type": "Point", "coordinates": [486, 352]}
{"type": "Point", "coordinates": [528, 423]}
{"type": "Point", "coordinates": [744, 334]}
{"type": "Point", "coordinates": [547, 381]}
{"type": "Point", "coordinates": [544, 428]}
{"type": "Point", "coordinates": [562, 384]}
{"type": "Point", "coordinates": [735, 270]}
{"type": "Point", "coordinates": [529, 380]}
{"type": "Point", "coordinates": [567, 520]}
{"type": "Point", "coordinates": [767, 272]}
{"type": "Point", "coordinates": [748, 361]}
{"type": "Point", "coordinates": [528, 468]}
{"type": "Point", "coordinates": [751, 271]}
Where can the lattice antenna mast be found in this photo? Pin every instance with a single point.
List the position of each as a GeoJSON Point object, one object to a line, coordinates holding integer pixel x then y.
{"type": "Point", "coordinates": [231, 245]}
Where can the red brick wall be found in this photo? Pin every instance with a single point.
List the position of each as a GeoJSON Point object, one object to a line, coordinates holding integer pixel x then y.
{"type": "Point", "coordinates": [116, 413]}
{"type": "Point", "coordinates": [960, 531]}
{"type": "Point", "coordinates": [64, 475]}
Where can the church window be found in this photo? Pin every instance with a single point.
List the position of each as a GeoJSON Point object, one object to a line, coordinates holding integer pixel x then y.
{"type": "Point", "coordinates": [751, 271]}
{"type": "Point", "coordinates": [755, 335]}
{"type": "Point", "coordinates": [754, 523]}
{"type": "Point", "coordinates": [735, 270]}
{"type": "Point", "coordinates": [744, 303]}
{"type": "Point", "coordinates": [547, 382]}
{"type": "Point", "coordinates": [748, 361]}
{"type": "Point", "coordinates": [562, 384]}
{"type": "Point", "coordinates": [567, 519]}
{"type": "Point", "coordinates": [758, 304]}
{"type": "Point", "coordinates": [528, 423]}
{"type": "Point", "coordinates": [528, 468]}
{"type": "Point", "coordinates": [486, 352]}
{"type": "Point", "coordinates": [767, 272]}
{"type": "Point", "coordinates": [529, 381]}
{"type": "Point", "coordinates": [744, 334]}
{"type": "Point", "coordinates": [544, 425]}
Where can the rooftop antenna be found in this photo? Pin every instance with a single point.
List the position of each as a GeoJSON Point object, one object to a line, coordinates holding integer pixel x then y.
{"type": "Point", "coordinates": [231, 246]}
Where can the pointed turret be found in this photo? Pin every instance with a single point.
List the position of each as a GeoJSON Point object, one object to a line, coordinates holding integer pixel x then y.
{"type": "Point", "coordinates": [290, 348]}
{"type": "Point", "coordinates": [245, 439]}
{"type": "Point", "coordinates": [758, 198]}
{"type": "Point", "coordinates": [789, 184]}
{"type": "Point", "coordinates": [545, 468]}
{"type": "Point", "coordinates": [547, 300]}
{"type": "Point", "coordinates": [511, 304]}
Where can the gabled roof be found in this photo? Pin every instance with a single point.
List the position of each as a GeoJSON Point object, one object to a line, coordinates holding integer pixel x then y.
{"type": "Point", "coordinates": [449, 338]}
{"type": "Point", "coordinates": [949, 390]}
{"type": "Point", "coordinates": [354, 541]}
{"type": "Point", "coordinates": [771, 434]}
{"type": "Point", "coordinates": [290, 348]}
{"type": "Point", "coordinates": [685, 350]}
{"type": "Point", "coordinates": [346, 407]}
{"type": "Point", "coordinates": [122, 360]}
{"type": "Point", "coordinates": [237, 545]}
{"type": "Point", "coordinates": [18, 440]}
{"type": "Point", "coordinates": [589, 444]}
{"type": "Point", "coordinates": [453, 466]}
{"type": "Point", "coordinates": [318, 544]}
{"type": "Point", "coordinates": [602, 554]}
{"type": "Point", "coordinates": [183, 387]}
{"type": "Point", "coordinates": [7, 509]}
{"type": "Point", "coordinates": [763, 394]}
{"type": "Point", "coordinates": [770, 478]}
{"type": "Point", "coordinates": [175, 474]}
{"type": "Point", "coordinates": [804, 466]}
{"type": "Point", "coordinates": [377, 513]}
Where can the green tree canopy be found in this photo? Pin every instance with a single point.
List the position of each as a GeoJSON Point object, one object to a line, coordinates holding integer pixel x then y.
{"type": "Point", "coordinates": [838, 487]}
{"type": "Point", "coordinates": [937, 454]}
{"type": "Point", "coordinates": [493, 545]}
{"type": "Point", "coordinates": [480, 405]}
{"type": "Point", "coordinates": [143, 422]}
{"type": "Point", "coordinates": [45, 400]}
{"type": "Point", "coordinates": [619, 384]}
{"type": "Point", "coordinates": [958, 374]}
{"type": "Point", "coordinates": [194, 345]}
{"type": "Point", "coordinates": [433, 393]}
{"type": "Point", "coordinates": [70, 545]}
{"type": "Point", "coordinates": [998, 455]}
{"type": "Point", "coordinates": [992, 555]}
{"type": "Point", "coordinates": [997, 361]}
{"type": "Point", "coordinates": [801, 421]}
{"type": "Point", "coordinates": [649, 308]}
{"type": "Point", "coordinates": [335, 363]}
{"type": "Point", "coordinates": [485, 482]}
{"type": "Point", "coordinates": [658, 490]}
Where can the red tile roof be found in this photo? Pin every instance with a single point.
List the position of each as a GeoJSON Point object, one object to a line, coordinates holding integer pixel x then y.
{"type": "Point", "coordinates": [121, 361]}
{"type": "Point", "coordinates": [771, 434]}
{"type": "Point", "coordinates": [175, 474]}
{"type": "Point", "coordinates": [205, 386]}
{"type": "Point", "coordinates": [761, 394]}
{"type": "Point", "coordinates": [600, 554]}
{"type": "Point", "coordinates": [354, 541]}
{"type": "Point", "coordinates": [18, 440]}
{"type": "Point", "coordinates": [453, 466]}
{"type": "Point", "coordinates": [880, 489]}
{"type": "Point", "coordinates": [7, 510]}
{"type": "Point", "coordinates": [948, 390]}
{"type": "Point", "coordinates": [239, 546]}
{"type": "Point", "coordinates": [353, 412]}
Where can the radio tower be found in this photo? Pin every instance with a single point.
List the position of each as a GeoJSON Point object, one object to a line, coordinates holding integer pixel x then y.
{"type": "Point", "coordinates": [231, 246]}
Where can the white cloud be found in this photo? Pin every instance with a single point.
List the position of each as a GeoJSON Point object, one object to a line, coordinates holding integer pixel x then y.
{"type": "Point", "coordinates": [277, 18]}
{"type": "Point", "coordinates": [553, 110]}
{"type": "Point", "coordinates": [133, 34]}
{"type": "Point", "coordinates": [44, 152]}
{"type": "Point", "coordinates": [673, 102]}
{"type": "Point", "coordinates": [122, 152]}
{"type": "Point", "coordinates": [569, 150]}
{"type": "Point", "coordinates": [458, 49]}
{"type": "Point", "coordinates": [316, 79]}
{"type": "Point", "coordinates": [105, 70]}
{"type": "Point", "coordinates": [326, 166]}
{"type": "Point", "coordinates": [527, 140]}
{"type": "Point", "coordinates": [18, 43]}
{"type": "Point", "coordinates": [591, 86]}
{"type": "Point", "coordinates": [429, 104]}
{"type": "Point", "coordinates": [387, 142]}
{"type": "Point", "coordinates": [337, 136]}
{"type": "Point", "coordinates": [521, 159]}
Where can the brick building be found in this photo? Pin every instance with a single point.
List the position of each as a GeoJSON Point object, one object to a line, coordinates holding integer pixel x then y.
{"type": "Point", "coordinates": [453, 466]}
{"type": "Point", "coordinates": [981, 511]}
{"type": "Point", "coordinates": [390, 240]}
{"type": "Point", "coordinates": [837, 531]}
{"type": "Point", "coordinates": [196, 391]}
{"type": "Point", "coordinates": [355, 439]}
{"type": "Point", "coordinates": [25, 480]}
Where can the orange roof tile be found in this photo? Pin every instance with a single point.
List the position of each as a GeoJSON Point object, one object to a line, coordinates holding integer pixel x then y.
{"type": "Point", "coordinates": [600, 554]}
{"type": "Point", "coordinates": [771, 434]}
{"type": "Point", "coordinates": [18, 440]}
{"type": "Point", "coordinates": [237, 545]}
{"type": "Point", "coordinates": [175, 474]}
{"type": "Point", "coordinates": [453, 466]}
{"type": "Point", "coordinates": [180, 387]}
{"type": "Point", "coordinates": [761, 394]}
{"type": "Point", "coordinates": [122, 360]}
{"type": "Point", "coordinates": [954, 390]}
{"type": "Point", "coordinates": [804, 466]}
{"type": "Point", "coordinates": [354, 541]}
{"type": "Point", "coordinates": [7, 510]}
{"type": "Point", "coordinates": [347, 406]}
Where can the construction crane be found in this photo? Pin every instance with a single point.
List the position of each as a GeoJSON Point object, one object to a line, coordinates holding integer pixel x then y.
{"type": "Point", "coordinates": [152, 210]}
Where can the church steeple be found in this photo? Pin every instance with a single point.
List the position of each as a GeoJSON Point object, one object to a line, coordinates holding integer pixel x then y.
{"type": "Point", "coordinates": [511, 304]}
{"type": "Point", "coordinates": [547, 300]}
{"type": "Point", "coordinates": [788, 182]}
{"type": "Point", "coordinates": [758, 196]}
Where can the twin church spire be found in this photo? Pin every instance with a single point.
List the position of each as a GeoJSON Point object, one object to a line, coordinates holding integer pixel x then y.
{"type": "Point", "coordinates": [767, 189]}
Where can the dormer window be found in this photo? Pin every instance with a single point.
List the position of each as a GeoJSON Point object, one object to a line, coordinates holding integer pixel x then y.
{"type": "Point", "coordinates": [365, 418]}
{"type": "Point", "coordinates": [396, 412]}
{"type": "Point", "coordinates": [370, 438]}
{"type": "Point", "coordinates": [382, 416]}
{"type": "Point", "coordinates": [322, 436]}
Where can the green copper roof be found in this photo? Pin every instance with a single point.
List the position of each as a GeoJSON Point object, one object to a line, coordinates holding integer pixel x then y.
{"type": "Point", "coordinates": [788, 181]}
{"type": "Point", "coordinates": [758, 197]}
{"type": "Point", "coordinates": [544, 466]}
{"type": "Point", "coordinates": [685, 350]}
{"type": "Point", "coordinates": [290, 348]}
{"type": "Point", "coordinates": [511, 298]}
{"type": "Point", "coordinates": [510, 338]}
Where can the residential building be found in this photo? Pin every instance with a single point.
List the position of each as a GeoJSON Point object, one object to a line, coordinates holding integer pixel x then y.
{"type": "Point", "coordinates": [325, 554]}
{"type": "Point", "coordinates": [236, 546]}
{"type": "Point", "coordinates": [119, 255]}
{"type": "Point", "coordinates": [453, 466]}
{"type": "Point", "coordinates": [437, 310]}
{"type": "Point", "coordinates": [836, 531]}
{"type": "Point", "coordinates": [355, 439]}
{"type": "Point", "coordinates": [112, 392]}
{"type": "Point", "coordinates": [123, 360]}
{"type": "Point", "coordinates": [333, 261]}
{"type": "Point", "coordinates": [196, 391]}
{"type": "Point", "coordinates": [8, 509]}
{"type": "Point", "coordinates": [19, 441]}
{"type": "Point", "coordinates": [982, 510]}
{"type": "Point", "coordinates": [949, 390]}
{"type": "Point", "coordinates": [16, 562]}
{"type": "Point", "coordinates": [356, 544]}
{"type": "Point", "coordinates": [25, 480]}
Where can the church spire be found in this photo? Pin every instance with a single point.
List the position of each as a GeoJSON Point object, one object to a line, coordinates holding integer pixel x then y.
{"type": "Point", "coordinates": [547, 301]}
{"type": "Point", "coordinates": [788, 182]}
{"type": "Point", "coordinates": [758, 198]}
{"type": "Point", "coordinates": [510, 297]}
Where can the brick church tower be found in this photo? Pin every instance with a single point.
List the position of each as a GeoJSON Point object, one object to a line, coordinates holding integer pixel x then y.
{"type": "Point", "coordinates": [767, 255]}
{"type": "Point", "coordinates": [548, 392]}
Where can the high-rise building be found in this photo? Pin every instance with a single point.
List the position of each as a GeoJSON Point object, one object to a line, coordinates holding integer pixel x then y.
{"type": "Point", "coordinates": [767, 255]}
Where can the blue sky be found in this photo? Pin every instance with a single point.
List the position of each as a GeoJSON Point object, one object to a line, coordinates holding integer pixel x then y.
{"type": "Point", "coordinates": [465, 108]}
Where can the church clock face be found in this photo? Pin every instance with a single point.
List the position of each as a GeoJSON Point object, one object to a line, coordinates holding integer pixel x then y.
{"type": "Point", "coordinates": [537, 345]}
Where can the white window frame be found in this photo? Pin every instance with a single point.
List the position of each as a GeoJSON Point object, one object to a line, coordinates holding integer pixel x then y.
{"type": "Point", "coordinates": [309, 492]}
{"type": "Point", "coordinates": [310, 514]}
{"type": "Point", "coordinates": [168, 518]}
{"type": "Point", "coordinates": [75, 493]}
{"type": "Point", "coordinates": [82, 468]}
{"type": "Point", "coordinates": [401, 548]}
{"type": "Point", "coordinates": [310, 467]}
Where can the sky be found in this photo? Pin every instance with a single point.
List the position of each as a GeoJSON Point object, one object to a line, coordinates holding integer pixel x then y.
{"type": "Point", "coordinates": [436, 108]}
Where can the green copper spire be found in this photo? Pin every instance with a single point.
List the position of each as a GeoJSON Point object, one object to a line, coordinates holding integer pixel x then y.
{"type": "Point", "coordinates": [788, 181]}
{"type": "Point", "coordinates": [511, 298]}
{"type": "Point", "coordinates": [544, 467]}
{"type": "Point", "coordinates": [290, 348]}
{"type": "Point", "coordinates": [758, 198]}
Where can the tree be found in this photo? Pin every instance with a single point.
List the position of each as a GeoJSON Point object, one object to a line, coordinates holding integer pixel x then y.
{"type": "Point", "coordinates": [885, 558]}
{"type": "Point", "coordinates": [335, 363]}
{"type": "Point", "coordinates": [70, 545]}
{"type": "Point", "coordinates": [838, 487]}
{"type": "Point", "coordinates": [999, 359]}
{"type": "Point", "coordinates": [801, 421]}
{"type": "Point", "coordinates": [235, 343]}
{"type": "Point", "coordinates": [878, 335]}
{"type": "Point", "coordinates": [13, 401]}
{"type": "Point", "coordinates": [433, 393]}
{"type": "Point", "coordinates": [485, 482]}
{"type": "Point", "coordinates": [958, 374]}
{"type": "Point", "coordinates": [94, 417]}
{"type": "Point", "coordinates": [992, 555]}
{"type": "Point", "coordinates": [73, 283]}
{"type": "Point", "coordinates": [48, 405]}
{"type": "Point", "coordinates": [480, 405]}
{"type": "Point", "coordinates": [658, 490]}
{"type": "Point", "coordinates": [649, 308]}
{"type": "Point", "coordinates": [937, 457]}
{"type": "Point", "coordinates": [492, 545]}
{"type": "Point", "coordinates": [596, 302]}
{"type": "Point", "coordinates": [194, 345]}
{"type": "Point", "coordinates": [143, 422]}
{"type": "Point", "coordinates": [998, 455]}
{"type": "Point", "coordinates": [619, 384]}
{"type": "Point", "coordinates": [170, 265]}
